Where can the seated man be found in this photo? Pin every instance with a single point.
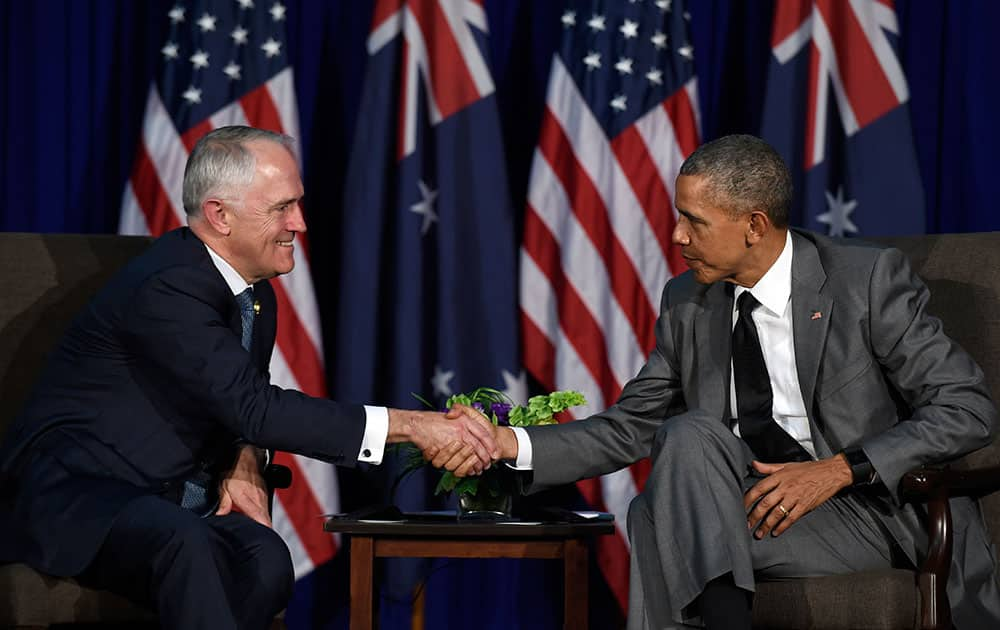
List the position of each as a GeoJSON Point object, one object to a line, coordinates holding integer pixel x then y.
{"type": "Point", "coordinates": [160, 390]}
{"type": "Point", "coordinates": [769, 408]}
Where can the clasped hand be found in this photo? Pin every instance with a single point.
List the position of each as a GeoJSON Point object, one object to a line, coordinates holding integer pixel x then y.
{"type": "Point", "coordinates": [790, 491]}
{"type": "Point", "coordinates": [463, 441]}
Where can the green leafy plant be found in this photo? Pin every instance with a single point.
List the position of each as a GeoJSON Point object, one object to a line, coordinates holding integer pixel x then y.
{"type": "Point", "coordinates": [501, 411]}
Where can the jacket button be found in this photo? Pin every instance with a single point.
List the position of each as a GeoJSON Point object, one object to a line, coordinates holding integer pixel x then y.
{"type": "Point", "coordinates": [366, 453]}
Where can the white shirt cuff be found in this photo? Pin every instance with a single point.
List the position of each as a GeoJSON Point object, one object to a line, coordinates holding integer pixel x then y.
{"type": "Point", "coordinates": [523, 461]}
{"type": "Point", "coordinates": [376, 432]}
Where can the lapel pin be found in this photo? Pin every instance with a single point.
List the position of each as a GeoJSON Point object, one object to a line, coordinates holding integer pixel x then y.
{"type": "Point", "coordinates": [816, 315]}
{"type": "Point", "coordinates": [256, 308]}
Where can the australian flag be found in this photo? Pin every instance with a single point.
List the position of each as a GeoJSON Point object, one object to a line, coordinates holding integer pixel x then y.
{"type": "Point", "coordinates": [836, 110]}
{"type": "Point", "coordinates": [429, 300]}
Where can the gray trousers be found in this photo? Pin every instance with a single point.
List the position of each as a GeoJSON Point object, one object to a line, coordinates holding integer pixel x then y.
{"type": "Point", "coordinates": [689, 527]}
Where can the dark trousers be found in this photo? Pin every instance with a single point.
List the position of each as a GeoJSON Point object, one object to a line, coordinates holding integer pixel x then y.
{"type": "Point", "coordinates": [218, 572]}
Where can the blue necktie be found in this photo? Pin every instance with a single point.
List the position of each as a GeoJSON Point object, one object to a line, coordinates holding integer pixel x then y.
{"type": "Point", "coordinates": [199, 491]}
{"type": "Point", "coordinates": [246, 302]}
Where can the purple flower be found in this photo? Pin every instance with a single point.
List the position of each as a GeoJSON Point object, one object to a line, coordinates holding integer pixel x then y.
{"type": "Point", "coordinates": [502, 411]}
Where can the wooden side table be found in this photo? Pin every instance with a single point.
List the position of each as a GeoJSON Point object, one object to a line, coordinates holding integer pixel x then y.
{"type": "Point", "coordinates": [420, 536]}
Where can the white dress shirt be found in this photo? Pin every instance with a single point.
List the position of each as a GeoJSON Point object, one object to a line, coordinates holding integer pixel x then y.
{"type": "Point", "coordinates": [774, 327]}
{"type": "Point", "coordinates": [376, 418]}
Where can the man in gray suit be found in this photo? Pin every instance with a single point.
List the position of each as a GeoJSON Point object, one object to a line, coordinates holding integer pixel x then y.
{"type": "Point", "coordinates": [795, 379]}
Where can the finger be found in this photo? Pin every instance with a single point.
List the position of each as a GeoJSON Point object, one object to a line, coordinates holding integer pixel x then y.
{"type": "Point", "coordinates": [458, 458]}
{"type": "Point", "coordinates": [445, 454]}
{"type": "Point", "coordinates": [225, 504]}
{"type": "Point", "coordinates": [766, 469]}
{"type": "Point", "coordinates": [482, 440]}
{"type": "Point", "coordinates": [793, 514]}
{"type": "Point", "coordinates": [758, 516]}
{"type": "Point", "coordinates": [759, 489]}
{"type": "Point", "coordinates": [777, 514]}
{"type": "Point", "coordinates": [454, 412]}
{"type": "Point", "coordinates": [471, 466]}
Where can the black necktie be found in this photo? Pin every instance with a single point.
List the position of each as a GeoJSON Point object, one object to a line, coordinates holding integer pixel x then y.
{"type": "Point", "coordinates": [769, 442]}
{"type": "Point", "coordinates": [245, 300]}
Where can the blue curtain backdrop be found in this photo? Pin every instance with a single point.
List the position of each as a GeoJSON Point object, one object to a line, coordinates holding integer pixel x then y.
{"type": "Point", "coordinates": [74, 75]}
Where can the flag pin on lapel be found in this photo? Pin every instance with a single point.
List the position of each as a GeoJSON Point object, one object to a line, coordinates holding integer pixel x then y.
{"type": "Point", "coordinates": [256, 308]}
{"type": "Point", "coordinates": [816, 315]}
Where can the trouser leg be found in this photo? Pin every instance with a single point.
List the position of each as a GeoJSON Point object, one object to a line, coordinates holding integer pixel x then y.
{"type": "Point", "coordinates": [219, 572]}
{"type": "Point", "coordinates": [693, 505]}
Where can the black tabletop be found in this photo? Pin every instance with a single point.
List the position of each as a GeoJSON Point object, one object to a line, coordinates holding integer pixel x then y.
{"type": "Point", "coordinates": [553, 523]}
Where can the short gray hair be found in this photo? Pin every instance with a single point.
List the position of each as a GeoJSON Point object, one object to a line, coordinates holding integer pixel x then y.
{"type": "Point", "coordinates": [744, 173]}
{"type": "Point", "coordinates": [221, 162]}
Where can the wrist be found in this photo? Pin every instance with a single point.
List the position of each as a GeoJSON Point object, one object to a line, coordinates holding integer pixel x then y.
{"type": "Point", "coordinates": [861, 469]}
{"type": "Point", "coordinates": [508, 443]}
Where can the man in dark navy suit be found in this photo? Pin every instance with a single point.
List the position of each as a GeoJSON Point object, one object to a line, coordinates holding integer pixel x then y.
{"type": "Point", "coordinates": [136, 465]}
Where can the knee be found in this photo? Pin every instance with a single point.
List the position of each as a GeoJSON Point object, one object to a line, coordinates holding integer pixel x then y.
{"type": "Point", "coordinates": [638, 512]}
{"type": "Point", "coordinates": [275, 572]}
{"type": "Point", "coordinates": [684, 433]}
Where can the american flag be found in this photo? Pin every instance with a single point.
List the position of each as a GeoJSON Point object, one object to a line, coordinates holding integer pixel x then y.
{"type": "Point", "coordinates": [225, 62]}
{"type": "Point", "coordinates": [836, 110]}
{"type": "Point", "coordinates": [621, 115]}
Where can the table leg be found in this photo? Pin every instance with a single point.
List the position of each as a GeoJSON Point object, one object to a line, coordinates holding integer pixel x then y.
{"type": "Point", "coordinates": [362, 569]}
{"type": "Point", "coordinates": [575, 582]}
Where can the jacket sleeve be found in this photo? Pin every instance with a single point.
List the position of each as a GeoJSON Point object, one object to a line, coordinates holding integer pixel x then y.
{"type": "Point", "coordinates": [177, 327]}
{"type": "Point", "coordinates": [952, 413]}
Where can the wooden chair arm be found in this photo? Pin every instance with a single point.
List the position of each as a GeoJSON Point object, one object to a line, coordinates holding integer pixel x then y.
{"type": "Point", "coordinates": [933, 487]}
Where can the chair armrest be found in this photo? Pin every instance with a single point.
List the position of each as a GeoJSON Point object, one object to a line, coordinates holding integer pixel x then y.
{"type": "Point", "coordinates": [923, 483]}
{"type": "Point", "coordinates": [277, 476]}
{"type": "Point", "coordinates": [933, 487]}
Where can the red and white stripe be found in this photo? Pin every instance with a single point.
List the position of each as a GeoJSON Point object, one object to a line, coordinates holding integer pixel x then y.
{"type": "Point", "coordinates": [152, 205]}
{"type": "Point", "coordinates": [596, 254]}
{"type": "Point", "coordinates": [850, 53]}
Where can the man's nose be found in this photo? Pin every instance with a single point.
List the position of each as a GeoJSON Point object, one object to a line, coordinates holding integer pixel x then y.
{"type": "Point", "coordinates": [680, 235]}
{"type": "Point", "coordinates": [296, 221]}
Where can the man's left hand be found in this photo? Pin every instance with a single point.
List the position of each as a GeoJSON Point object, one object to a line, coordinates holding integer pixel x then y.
{"type": "Point", "coordinates": [243, 488]}
{"type": "Point", "coordinates": [792, 490]}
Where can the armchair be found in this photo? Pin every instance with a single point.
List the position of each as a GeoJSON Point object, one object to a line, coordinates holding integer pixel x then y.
{"type": "Point", "coordinates": [963, 273]}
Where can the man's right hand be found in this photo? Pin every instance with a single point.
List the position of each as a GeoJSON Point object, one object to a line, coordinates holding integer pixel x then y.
{"type": "Point", "coordinates": [464, 443]}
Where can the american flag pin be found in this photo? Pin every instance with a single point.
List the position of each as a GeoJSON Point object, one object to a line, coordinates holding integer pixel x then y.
{"type": "Point", "coordinates": [816, 315]}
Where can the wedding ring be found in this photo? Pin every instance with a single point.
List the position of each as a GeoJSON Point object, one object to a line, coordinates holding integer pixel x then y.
{"type": "Point", "coordinates": [783, 510]}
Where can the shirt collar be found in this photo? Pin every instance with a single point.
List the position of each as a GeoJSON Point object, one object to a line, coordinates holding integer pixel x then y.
{"type": "Point", "coordinates": [232, 277]}
{"type": "Point", "coordinates": [775, 286]}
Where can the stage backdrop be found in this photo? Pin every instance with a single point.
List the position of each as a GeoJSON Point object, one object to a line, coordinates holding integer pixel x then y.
{"type": "Point", "coordinates": [75, 79]}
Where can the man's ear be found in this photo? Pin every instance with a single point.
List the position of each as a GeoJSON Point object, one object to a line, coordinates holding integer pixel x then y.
{"type": "Point", "coordinates": [757, 226]}
{"type": "Point", "coordinates": [217, 215]}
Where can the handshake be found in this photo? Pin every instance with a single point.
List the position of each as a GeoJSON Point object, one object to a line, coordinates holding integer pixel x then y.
{"type": "Point", "coordinates": [462, 440]}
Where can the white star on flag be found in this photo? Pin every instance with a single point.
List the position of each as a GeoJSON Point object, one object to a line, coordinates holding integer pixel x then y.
{"type": "Point", "coordinates": [200, 59]}
{"type": "Point", "coordinates": [441, 381]}
{"type": "Point", "coordinates": [207, 23]}
{"type": "Point", "coordinates": [232, 71]}
{"type": "Point", "coordinates": [569, 19]}
{"type": "Point", "coordinates": [596, 23]}
{"type": "Point", "coordinates": [686, 51]}
{"type": "Point", "coordinates": [271, 47]}
{"type": "Point", "coordinates": [664, 5]}
{"type": "Point", "coordinates": [592, 61]}
{"type": "Point", "coordinates": [245, 4]}
{"type": "Point", "coordinates": [192, 95]}
{"type": "Point", "coordinates": [239, 35]}
{"type": "Point", "coordinates": [838, 216]}
{"type": "Point", "coordinates": [278, 12]}
{"type": "Point", "coordinates": [515, 387]}
{"type": "Point", "coordinates": [170, 50]}
{"type": "Point", "coordinates": [655, 76]}
{"type": "Point", "coordinates": [624, 66]}
{"type": "Point", "coordinates": [425, 207]}
{"type": "Point", "coordinates": [618, 102]}
{"type": "Point", "coordinates": [630, 29]}
{"type": "Point", "coordinates": [176, 14]}
{"type": "Point", "coordinates": [659, 40]}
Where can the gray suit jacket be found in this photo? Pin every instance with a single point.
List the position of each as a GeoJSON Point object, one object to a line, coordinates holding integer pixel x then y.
{"type": "Point", "coordinates": [875, 371]}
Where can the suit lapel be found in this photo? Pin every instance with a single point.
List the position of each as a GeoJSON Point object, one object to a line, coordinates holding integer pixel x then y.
{"type": "Point", "coordinates": [713, 336]}
{"type": "Point", "coordinates": [811, 313]}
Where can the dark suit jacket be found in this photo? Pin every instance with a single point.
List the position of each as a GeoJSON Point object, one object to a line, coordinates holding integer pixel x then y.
{"type": "Point", "coordinates": [148, 385]}
{"type": "Point", "coordinates": [875, 371]}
